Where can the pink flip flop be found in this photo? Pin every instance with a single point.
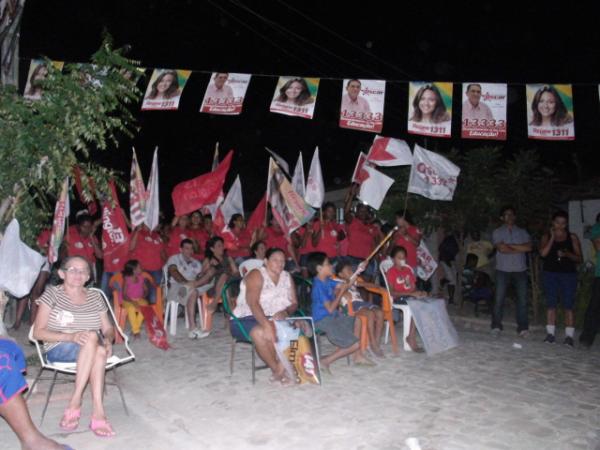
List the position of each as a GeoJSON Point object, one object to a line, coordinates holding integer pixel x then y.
{"type": "Point", "coordinates": [101, 427]}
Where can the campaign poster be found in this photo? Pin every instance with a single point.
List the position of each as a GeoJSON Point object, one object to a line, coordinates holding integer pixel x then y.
{"type": "Point", "coordinates": [484, 111]}
{"type": "Point", "coordinates": [295, 96]}
{"type": "Point", "coordinates": [550, 112]}
{"type": "Point", "coordinates": [38, 71]}
{"type": "Point", "coordinates": [362, 105]}
{"type": "Point", "coordinates": [225, 93]}
{"type": "Point", "coordinates": [164, 89]}
{"type": "Point", "coordinates": [430, 108]}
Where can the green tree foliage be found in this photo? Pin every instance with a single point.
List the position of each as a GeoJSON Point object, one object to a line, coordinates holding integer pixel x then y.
{"type": "Point", "coordinates": [83, 108]}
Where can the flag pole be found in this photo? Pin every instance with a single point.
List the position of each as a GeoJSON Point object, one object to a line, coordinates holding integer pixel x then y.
{"type": "Point", "coordinates": [379, 246]}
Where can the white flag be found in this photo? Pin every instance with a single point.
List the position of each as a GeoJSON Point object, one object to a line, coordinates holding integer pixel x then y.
{"type": "Point", "coordinates": [233, 203]}
{"type": "Point", "coordinates": [215, 162]}
{"type": "Point", "coordinates": [152, 202]}
{"type": "Point", "coordinates": [298, 178]}
{"type": "Point", "coordinates": [432, 175]}
{"type": "Point", "coordinates": [390, 152]}
{"type": "Point", "coordinates": [280, 161]}
{"type": "Point", "coordinates": [374, 187]}
{"type": "Point", "coordinates": [137, 194]}
{"type": "Point", "coordinates": [315, 187]}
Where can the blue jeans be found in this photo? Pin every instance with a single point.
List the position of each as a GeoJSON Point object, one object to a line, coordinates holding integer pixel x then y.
{"type": "Point", "coordinates": [64, 352]}
{"type": "Point", "coordinates": [519, 281]}
{"type": "Point", "coordinates": [104, 284]}
{"type": "Point", "coordinates": [157, 275]}
{"type": "Point", "coordinates": [560, 284]}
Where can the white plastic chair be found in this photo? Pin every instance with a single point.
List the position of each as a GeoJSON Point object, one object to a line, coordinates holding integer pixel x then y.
{"type": "Point", "coordinates": [250, 264]}
{"type": "Point", "coordinates": [71, 368]}
{"type": "Point", "coordinates": [172, 306]}
{"type": "Point", "coordinates": [384, 266]}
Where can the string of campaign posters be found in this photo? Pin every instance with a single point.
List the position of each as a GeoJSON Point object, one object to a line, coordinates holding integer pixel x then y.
{"type": "Point", "coordinates": [550, 113]}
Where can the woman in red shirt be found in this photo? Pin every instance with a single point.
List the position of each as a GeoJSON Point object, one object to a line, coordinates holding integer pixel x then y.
{"type": "Point", "coordinates": [402, 283]}
{"type": "Point", "coordinates": [198, 234]}
{"type": "Point", "coordinates": [237, 240]}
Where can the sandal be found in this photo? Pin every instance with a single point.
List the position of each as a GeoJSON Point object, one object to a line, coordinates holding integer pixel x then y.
{"type": "Point", "coordinates": [70, 419]}
{"type": "Point", "coordinates": [101, 427]}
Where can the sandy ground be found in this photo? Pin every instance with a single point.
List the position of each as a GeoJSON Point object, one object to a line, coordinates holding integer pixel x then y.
{"type": "Point", "coordinates": [487, 394]}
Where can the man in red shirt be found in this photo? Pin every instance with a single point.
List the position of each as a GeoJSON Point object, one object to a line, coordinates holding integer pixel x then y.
{"type": "Point", "coordinates": [407, 236]}
{"type": "Point", "coordinates": [363, 235]}
{"type": "Point", "coordinates": [82, 242]}
{"type": "Point", "coordinates": [179, 232]}
{"type": "Point", "coordinates": [198, 234]}
{"type": "Point", "coordinates": [274, 237]}
{"type": "Point", "coordinates": [327, 234]}
{"type": "Point", "coordinates": [147, 247]}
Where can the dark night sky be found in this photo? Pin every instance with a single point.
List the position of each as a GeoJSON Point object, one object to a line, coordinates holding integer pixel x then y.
{"type": "Point", "coordinates": [386, 40]}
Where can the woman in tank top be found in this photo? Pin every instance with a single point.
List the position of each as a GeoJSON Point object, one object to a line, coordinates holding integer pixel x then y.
{"type": "Point", "coordinates": [561, 252]}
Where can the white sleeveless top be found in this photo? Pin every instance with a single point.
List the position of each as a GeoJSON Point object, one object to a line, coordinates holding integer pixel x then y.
{"type": "Point", "coordinates": [273, 297]}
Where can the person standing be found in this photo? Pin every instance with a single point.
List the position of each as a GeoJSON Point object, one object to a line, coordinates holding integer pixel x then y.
{"type": "Point", "coordinates": [561, 251]}
{"type": "Point", "coordinates": [591, 323]}
{"type": "Point", "coordinates": [512, 243]}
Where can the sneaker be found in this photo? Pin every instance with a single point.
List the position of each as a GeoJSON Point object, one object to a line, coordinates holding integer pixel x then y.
{"type": "Point", "coordinates": [197, 333]}
{"type": "Point", "coordinates": [568, 341]}
{"type": "Point", "coordinates": [550, 339]}
{"type": "Point", "coordinates": [523, 334]}
{"type": "Point", "coordinates": [496, 332]}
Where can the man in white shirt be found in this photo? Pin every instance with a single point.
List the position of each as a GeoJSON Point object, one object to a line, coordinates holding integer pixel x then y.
{"type": "Point", "coordinates": [473, 108]}
{"type": "Point", "coordinates": [187, 281]}
{"type": "Point", "coordinates": [353, 102]}
{"type": "Point", "coordinates": [219, 90]}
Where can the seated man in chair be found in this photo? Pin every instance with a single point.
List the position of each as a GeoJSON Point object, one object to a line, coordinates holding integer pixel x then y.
{"type": "Point", "coordinates": [186, 282]}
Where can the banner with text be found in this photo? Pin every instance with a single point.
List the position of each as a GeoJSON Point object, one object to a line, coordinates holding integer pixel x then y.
{"type": "Point", "coordinates": [38, 71]}
{"type": "Point", "coordinates": [550, 112]}
{"type": "Point", "coordinates": [164, 89]}
{"type": "Point", "coordinates": [430, 108]}
{"type": "Point", "coordinates": [484, 111]}
{"type": "Point", "coordinates": [362, 105]}
{"type": "Point", "coordinates": [225, 93]}
{"type": "Point", "coordinates": [295, 96]}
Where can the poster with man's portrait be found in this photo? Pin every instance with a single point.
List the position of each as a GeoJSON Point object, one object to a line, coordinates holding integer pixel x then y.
{"type": "Point", "coordinates": [362, 105]}
{"type": "Point", "coordinates": [484, 111]}
{"type": "Point", "coordinates": [225, 93]}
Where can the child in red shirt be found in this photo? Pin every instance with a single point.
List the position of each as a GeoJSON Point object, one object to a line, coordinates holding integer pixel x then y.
{"type": "Point", "coordinates": [402, 282]}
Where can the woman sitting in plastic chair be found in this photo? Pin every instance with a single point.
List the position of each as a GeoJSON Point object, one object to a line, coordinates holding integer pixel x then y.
{"type": "Point", "coordinates": [73, 323]}
{"type": "Point", "coordinates": [266, 293]}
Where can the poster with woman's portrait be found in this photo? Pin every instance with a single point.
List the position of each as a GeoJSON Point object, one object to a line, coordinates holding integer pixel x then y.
{"type": "Point", "coordinates": [550, 112]}
{"type": "Point", "coordinates": [164, 89]}
{"type": "Point", "coordinates": [225, 93]}
{"type": "Point", "coordinates": [362, 105]}
{"type": "Point", "coordinates": [38, 71]}
{"type": "Point", "coordinates": [295, 96]}
{"type": "Point", "coordinates": [430, 108]}
{"type": "Point", "coordinates": [483, 111]}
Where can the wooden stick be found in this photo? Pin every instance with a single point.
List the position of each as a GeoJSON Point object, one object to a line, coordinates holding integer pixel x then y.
{"type": "Point", "coordinates": [381, 244]}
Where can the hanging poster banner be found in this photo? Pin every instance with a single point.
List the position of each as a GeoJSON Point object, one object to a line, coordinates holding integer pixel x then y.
{"type": "Point", "coordinates": [430, 108]}
{"type": "Point", "coordinates": [362, 105]}
{"type": "Point", "coordinates": [38, 71]}
{"type": "Point", "coordinates": [295, 96]}
{"type": "Point", "coordinates": [164, 89]}
{"type": "Point", "coordinates": [484, 111]}
{"type": "Point", "coordinates": [550, 112]}
{"type": "Point", "coordinates": [225, 93]}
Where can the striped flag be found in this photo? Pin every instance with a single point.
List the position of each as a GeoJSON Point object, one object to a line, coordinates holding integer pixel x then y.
{"type": "Point", "coordinates": [61, 214]}
{"type": "Point", "coordinates": [137, 194]}
{"type": "Point", "coordinates": [153, 205]}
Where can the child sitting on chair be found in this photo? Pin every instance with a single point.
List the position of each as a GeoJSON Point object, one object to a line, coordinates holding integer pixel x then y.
{"type": "Point", "coordinates": [372, 312]}
{"type": "Point", "coordinates": [135, 294]}
{"type": "Point", "coordinates": [402, 283]}
{"type": "Point", "coordinates": [342, 331]}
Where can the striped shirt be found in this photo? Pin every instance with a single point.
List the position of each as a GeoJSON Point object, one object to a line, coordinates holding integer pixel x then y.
{"type": "Point", "coordinates": [67, 317]}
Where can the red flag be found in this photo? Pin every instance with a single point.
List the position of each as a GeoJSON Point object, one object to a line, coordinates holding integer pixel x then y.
{"type": "Point", "coordinates": [257, 219]}
{"type": "Point", "coordinates": [115, 235]}
{"type": "Point", "coordinates": [89, 202]}
{"type": "Point", "coordinates": [388, 152]}
{"type": "Point", "coordinates": [154, 328]}
{"type": "Point", "coordinates": [192, 194]}
{"type": "Point", "coordinates": [360, 174]}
